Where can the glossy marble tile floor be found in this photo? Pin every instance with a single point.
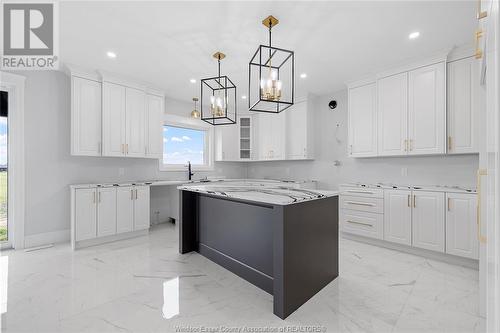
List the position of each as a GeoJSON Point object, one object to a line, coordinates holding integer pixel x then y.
{"type": "Point", "coordinates": [144, 285]}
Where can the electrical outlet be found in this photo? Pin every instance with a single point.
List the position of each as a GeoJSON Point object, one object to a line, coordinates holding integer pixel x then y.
{"type": "Point", "coordinates": [121, 171]}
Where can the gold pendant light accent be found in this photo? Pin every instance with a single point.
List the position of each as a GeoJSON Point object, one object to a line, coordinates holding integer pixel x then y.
{"type": "Point", "coordinates": [195, 114]}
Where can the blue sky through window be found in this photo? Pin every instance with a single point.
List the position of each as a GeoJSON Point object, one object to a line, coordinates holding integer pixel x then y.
{"type": "Point", "coordinates": [181, 145]}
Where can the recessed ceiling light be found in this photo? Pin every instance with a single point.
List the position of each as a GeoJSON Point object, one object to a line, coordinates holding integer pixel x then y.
{"type": "Point", "coordinates": [192, 80]}
{"type": "Point", "coordinates": [111, 55]}
{"type": "Point", "coordinates": [414, 35]}
{"type": "Point", "coordinates": [303, 75]}
{"type": "Point", "coordinates": [243, 97]}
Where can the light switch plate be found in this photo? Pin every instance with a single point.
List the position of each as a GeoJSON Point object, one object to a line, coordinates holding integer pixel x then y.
{"type": "Point", "coordinates": [404, 171]}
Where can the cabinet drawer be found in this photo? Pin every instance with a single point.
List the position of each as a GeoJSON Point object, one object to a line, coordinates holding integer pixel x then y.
{"type": "Point", "coordinates": [372, 205]}
{"type": "Point", "coordinates": [362, 192]}
{"type": "Point", "coordinates": [362, 223]}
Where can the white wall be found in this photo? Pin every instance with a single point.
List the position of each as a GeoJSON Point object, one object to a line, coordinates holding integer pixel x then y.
{"type": "Point", "coordinates": [446, 170]}
{"type": "Point", "coordinates": [50, 168]}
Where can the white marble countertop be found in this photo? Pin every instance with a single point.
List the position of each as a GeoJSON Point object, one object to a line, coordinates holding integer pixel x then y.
{"type": "Point", "coordinates": [177, 182]}
{"type": "Point", "coordinates": [433, 188]}
{"type": "Point", "coordinates": [276, 193]}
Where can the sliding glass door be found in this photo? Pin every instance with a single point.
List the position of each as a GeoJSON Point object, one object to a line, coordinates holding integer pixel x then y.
{"type": "Point", "coordinates": [4, 128]}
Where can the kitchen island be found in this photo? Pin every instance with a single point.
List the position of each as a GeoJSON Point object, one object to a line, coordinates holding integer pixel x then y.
{"type": "Point", "coordinates": [282, 239]}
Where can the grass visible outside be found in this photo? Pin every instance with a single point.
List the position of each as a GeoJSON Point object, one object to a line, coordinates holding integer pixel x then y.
{"type": "Point", "coordinates": [3, 205]}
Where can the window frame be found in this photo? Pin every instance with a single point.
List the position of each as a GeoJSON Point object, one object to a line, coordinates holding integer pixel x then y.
{"type": "Point", "coordinates": [208, 153]}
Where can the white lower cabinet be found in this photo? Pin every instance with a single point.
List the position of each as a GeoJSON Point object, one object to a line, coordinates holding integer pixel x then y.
{"type": "Point", "coordinates": [362, 223]}
{"type": "Point", "coordinates": [461, 227]}
{"type": "Point", "coordinates": [397, 216]}
{"type": "Point", "coordinates": [125, 209]}
{"type": "Point", "coordinates": [362, 211]}
{"type": "Point", "coordinates": [85, 223]}
{"type": "Point", "coordinates": [141, 207]}
{"type": "Point", "coordinates": [428, 215]}
{"type": "Point", "coordinates": [109, 211]}
{"type": "Point", "coordinates": [106, 211]}
{"type": "Point", "coordinates": [432, 220]}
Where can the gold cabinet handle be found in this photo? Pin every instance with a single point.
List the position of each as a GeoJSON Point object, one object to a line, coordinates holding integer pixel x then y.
{"type": "Point", "coordinates": [126, 148]}
{"type": "Point", "coordinates": [449, 143]}
{"type": "Point", "coordinates": [480, 14]}
{"type": "Point", "coordinates": [359, 203]}
{"type": "Point", "coordinates": [480, 172]}
{"type": "Point", "coordinates": [359, 192]}
{"type": "Point", "coordinates": [411, 144]}
{"type": "Point", "coordinates": [409, 204]}
{"type": "Point", "coordinates": [131, 194]}
{"type": "Point", "coordinates": [135, 194]}
{"type": "Point", "coordinates": [414, 201]}
{"type": "Point", "coordinates": [99, 197]}
{"type": "Point", "coordinates": [406, 145]}
{"type": "Point", "coordinates": [93, 197]}
{"type": "Point", "coordinates": [479, 52]}
{"type": "Point", "coordinates": [449, 204]}
{"type": "Point", "coordinates": [361, 223]}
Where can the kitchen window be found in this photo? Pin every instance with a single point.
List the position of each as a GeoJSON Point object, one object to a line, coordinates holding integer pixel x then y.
{"type": "Point", "coordinates": [185, 142]}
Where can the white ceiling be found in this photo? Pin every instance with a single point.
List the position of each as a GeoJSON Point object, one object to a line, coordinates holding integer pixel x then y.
{"type": "Point", "coordinates": [168, 43]}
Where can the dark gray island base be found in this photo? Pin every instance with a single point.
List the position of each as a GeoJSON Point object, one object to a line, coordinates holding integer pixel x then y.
{"type": "Point", "coordinates": [289, 250]}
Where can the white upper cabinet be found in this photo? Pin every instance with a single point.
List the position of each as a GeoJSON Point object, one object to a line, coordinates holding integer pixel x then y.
{"type": "Point", "coordinates": [428, 220]}
{"type": "Point", "coordinates": [397, 216]}
{"type": "Point", "coordinates": [135, 116]}
{"type": "Point", "coordinates": [299, 131]}
{"type": "Point", "coordinates": [463, 85]}
{"type": "Point", "coordinates": [362, 121]}
{"type": "Point", "coordinates": [226, 143]}
{"type": "Point", "coordinates": [114, 119]}
{"type": "Point", "coordinates": [154, 126]}
{"type": "Point", "coordinates": [392, 109]}
{"type": "Point", "coordinates": [85, 117]}
{"type": "Point", "coordinates": [111, 116]}
{"type": "Point", "coordinates": [270, 135]}
{"type": "Point", "coordinates": [461, 227]}
{"type": "Point", "coordinates": [426, 110]}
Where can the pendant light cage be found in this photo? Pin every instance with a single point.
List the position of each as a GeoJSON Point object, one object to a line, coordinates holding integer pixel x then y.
{"type": "Point", "coordinates": [218, 98]}
{"type": "Point", "coordinates": [268, 65]}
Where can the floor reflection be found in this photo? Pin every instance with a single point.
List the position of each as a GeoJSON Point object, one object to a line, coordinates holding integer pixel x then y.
{"type": "Point", "coordinates": [170, 298]}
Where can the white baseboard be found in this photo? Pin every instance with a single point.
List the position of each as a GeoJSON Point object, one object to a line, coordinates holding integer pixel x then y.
{"type": "Point", "coordinates": [109, 239]}
{"type": "Point", "coordinates": [448, 258]}
{"type": "Point", "coordinates": [59, 236]}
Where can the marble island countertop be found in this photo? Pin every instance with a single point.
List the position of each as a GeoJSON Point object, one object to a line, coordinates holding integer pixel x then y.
{"type": "Point", "coordinates": [262, 192]}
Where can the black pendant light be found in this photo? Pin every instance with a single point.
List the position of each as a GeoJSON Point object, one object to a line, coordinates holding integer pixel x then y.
{"type": "Point", "coordinates": [218, 98]}
{"type": "Point", "coordinates": [271, 76]}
